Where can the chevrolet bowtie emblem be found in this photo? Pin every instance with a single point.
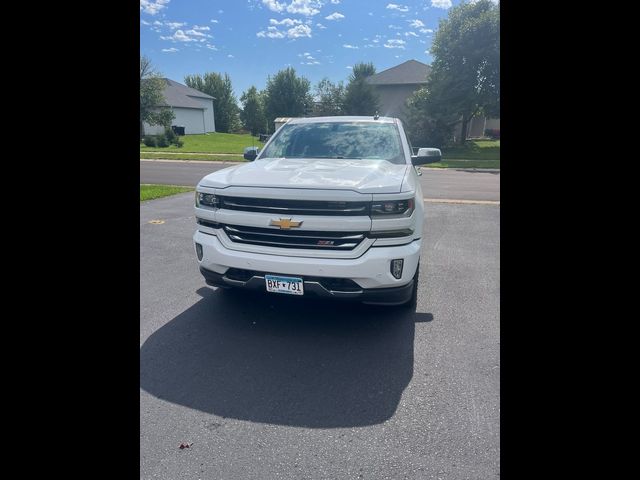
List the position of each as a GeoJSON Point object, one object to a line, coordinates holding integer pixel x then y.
{"type": "Point", "coordinates": [285, 223]}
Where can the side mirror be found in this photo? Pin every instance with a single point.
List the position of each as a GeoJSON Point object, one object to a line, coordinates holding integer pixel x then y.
{"type": "Point", "coordinates": [426, 155]}
{"type": "Point", "coordinates": [250, 153]}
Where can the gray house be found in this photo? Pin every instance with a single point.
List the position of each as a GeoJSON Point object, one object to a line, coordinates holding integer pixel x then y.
{"type": "Point", "coordinates": [396, 84]}
{"type": "Point", "coordinates": [192, 109]}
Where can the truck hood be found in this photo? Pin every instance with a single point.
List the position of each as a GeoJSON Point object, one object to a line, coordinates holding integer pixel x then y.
{"type": "Point", "coordinates": [363, 176]}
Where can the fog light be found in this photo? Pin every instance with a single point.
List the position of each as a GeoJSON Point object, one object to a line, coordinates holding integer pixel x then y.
{"type": "Point", "coordinates": [199, 251]}
{"type": "Point", "coordinates": [396, 267]}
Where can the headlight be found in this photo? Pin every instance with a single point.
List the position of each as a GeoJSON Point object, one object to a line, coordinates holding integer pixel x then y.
{"type": "Point", "coordinates": [386, 208]}
{"type": "Point", "coordinates": [206, 200]}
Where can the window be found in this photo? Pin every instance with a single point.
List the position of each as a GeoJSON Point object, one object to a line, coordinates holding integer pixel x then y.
{"type": "Point", "coordinates": [348, 140]}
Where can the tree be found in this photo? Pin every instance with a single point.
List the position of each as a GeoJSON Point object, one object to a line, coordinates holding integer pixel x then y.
{"type": "Point", "coordinates": [360, 98]}
{"type": "Point", "coordinates": [465, 73]}
{"type": "Point", "coordinates": [329, 98]}
{"type": "Point", "coordinates": [252, 114]}
{"type": "Point", "coordinates": [427, 130]}
{"type": "Point", "coordinates": [225, 106]}
{"type": "Point", "coordinates": [286, 95]}
{"type": "Point", "coordinates": [153, 108]}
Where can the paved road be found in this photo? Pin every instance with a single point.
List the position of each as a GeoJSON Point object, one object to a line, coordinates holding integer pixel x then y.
{"type": "Point", "coordinates": [436, 183]}
{"type": "Point", "coordinates": [268, 387]}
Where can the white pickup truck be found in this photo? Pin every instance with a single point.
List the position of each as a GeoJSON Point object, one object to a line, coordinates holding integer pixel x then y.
{"type": "Point", "coordinates": [330, 207]}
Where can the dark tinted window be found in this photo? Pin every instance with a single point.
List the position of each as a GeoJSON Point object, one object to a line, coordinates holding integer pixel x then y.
{"type": "Point", "coordinates": [355, 140]}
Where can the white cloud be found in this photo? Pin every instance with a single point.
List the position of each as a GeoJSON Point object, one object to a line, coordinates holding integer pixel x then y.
{"type": "Point", "coordinates": [370, 14]}
{"type": "Point", "coordinates": [230, 56]}
{"type": "Point", "coordinates": [309, 59]}
{"type": "Point", "coordinates": [174, 25]}
{"type": "Point", "coordinates": [159, 24]}
{"type": "Point", "coordinates": [220, 11]}
{"type": "Point", "coordinates": [426, 30]}
{"type": "Point", "coordinates": [274, 6]}
{"type": "Point", "coordinates": [295, 32]}
{"type": "Point", "coordinates": [152, 7]}
{"type": "Point", "coordinates": [211, 47]}
{"type": "Point", "coordinates": [205, 28]}
{"type": "Point", "coordinates": [271, 34]}
{"type": "Point", "coordinates": [415, 23]}
{"type": "Point", "coordinates": [170, 50]}
{"type": "Point", "coordinates": [395, 43]}
{"type": "Point", "coordinates": [179, 36]}
{"type": "Point", "coordinates": [401, 8]}
{"type": "Point", "coordinates": [376, 40]}
{"type": "Point", "coordinates": [299, 31]}
{"type": "Point", "coordinates": [195, 33]}
{"type": "Point", "coordinates": [427, 52]}
{"type": "Point", "coordinates": [441, 3]}
{"type": "Point", "coordinates": [320, 26]}
{"type": "Point", "coordinates": [413, 34]}
{"type": "Point", "coordinates": [144, 22]}
{"type": "Point", "coordinates": [213, 20]}
{"type": "Point", "coordinates": [301, 7]}
{"type": "Point", "coordinates": [395, 27]}
{"type": "Point", "coordinates": [335, 2]}
{"type": "Point", "coordinates": [334, 16]}
{"type": "Point", "coordinates": [351, 68]}
{"type": "Point", "coordinates": [346, 45]}
{"type": "Point", "coordinates": [288, 22]}
{"type": "Point", "coordinates": [305, 7]}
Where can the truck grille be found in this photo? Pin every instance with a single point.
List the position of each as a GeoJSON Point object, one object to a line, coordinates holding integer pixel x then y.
{"type": "Point", "coordinates": [271, 237]}
{"type": "Point", "coordinates": [293, 207]}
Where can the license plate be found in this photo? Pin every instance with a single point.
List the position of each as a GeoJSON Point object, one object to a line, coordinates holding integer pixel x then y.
{"type": "Point", "coordinates": [288, 285]}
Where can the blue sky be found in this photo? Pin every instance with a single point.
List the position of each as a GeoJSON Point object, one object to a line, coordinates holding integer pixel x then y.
{"type": "Point", "coordinates": [251, 39]}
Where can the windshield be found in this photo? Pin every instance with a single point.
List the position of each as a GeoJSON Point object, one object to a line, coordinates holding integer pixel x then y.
{"type": "Point", "coordinates": [354, 140]}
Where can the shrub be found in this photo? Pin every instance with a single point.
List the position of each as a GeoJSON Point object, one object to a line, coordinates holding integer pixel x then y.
{"type": "Point", "coordinates": [150, 141]}
{"type": "Point", "coordinates": [178, 143]}
{"type": "Point", "coordinates": [162, 141]}
{"type": "Point", "coordinates": [170, 135]}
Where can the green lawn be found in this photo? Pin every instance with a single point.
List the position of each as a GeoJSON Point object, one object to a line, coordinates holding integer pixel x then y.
{"type": "Point", "coordinates": [192, 156]}
{"type": "Point", "coordinates": [210, 143]}
{"type": "Point", "coordinates": [149, 192]}
{"type": "Point", "coordinates": [474, 150]}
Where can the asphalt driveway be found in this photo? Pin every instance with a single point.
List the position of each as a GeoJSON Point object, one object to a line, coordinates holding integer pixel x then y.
{"type": "Point", "coordinates": [268, 387]}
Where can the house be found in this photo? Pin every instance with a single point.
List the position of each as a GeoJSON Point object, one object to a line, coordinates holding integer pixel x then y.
{"type": "Point", "coordinates": [396, 84]}
{"type": "Point", "coordinates": [192, 109]}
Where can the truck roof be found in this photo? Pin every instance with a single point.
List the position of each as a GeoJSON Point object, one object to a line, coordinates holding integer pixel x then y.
{"type": "Point", "coordinates": [368, 118]}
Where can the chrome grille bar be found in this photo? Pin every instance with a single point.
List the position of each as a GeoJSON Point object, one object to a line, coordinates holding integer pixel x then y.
{"type": "Point", "coordinates": [294, 239]}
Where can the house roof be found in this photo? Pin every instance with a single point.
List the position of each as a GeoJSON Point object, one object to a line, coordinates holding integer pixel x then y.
{"type": "Point", "coordinates": [410, 72]}
{"type": "Point", "coordinates": [178, 95]}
